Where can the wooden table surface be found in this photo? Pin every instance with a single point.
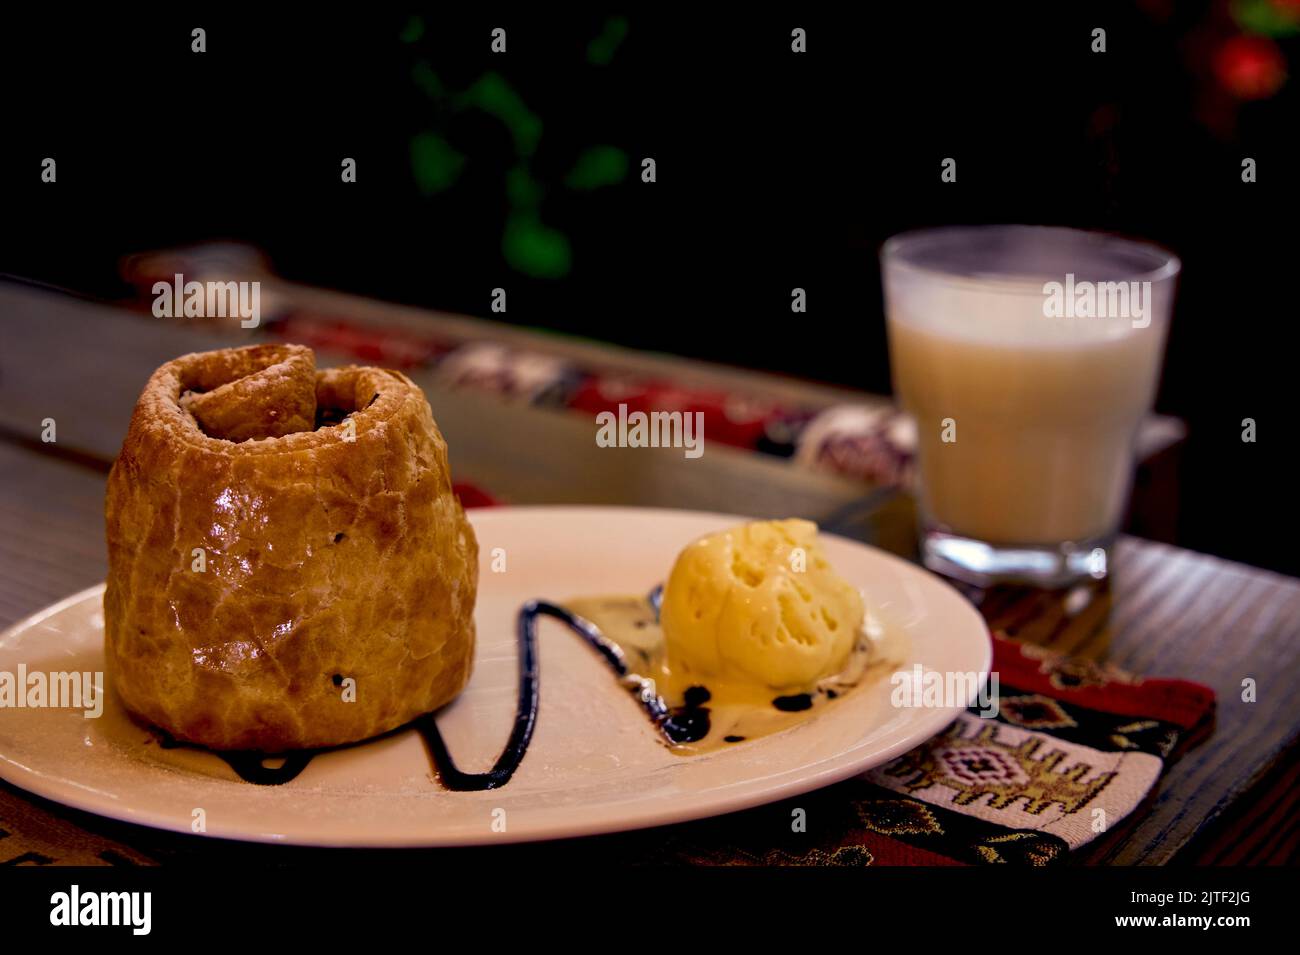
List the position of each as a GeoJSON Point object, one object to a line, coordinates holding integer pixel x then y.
{"type": "Point", "coordinates": [1164, 612]}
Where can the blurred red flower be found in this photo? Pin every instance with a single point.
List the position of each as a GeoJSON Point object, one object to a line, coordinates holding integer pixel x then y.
{"type": "Point", "coordinates": [1250, 67]}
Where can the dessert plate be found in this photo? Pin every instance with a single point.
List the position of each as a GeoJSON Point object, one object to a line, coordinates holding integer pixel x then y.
{"type": "Point", "coordinates": [596, 763]}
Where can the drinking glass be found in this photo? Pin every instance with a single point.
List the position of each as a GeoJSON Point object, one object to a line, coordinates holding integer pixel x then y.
{"type": "Point", "coordinates": [1028, 357]}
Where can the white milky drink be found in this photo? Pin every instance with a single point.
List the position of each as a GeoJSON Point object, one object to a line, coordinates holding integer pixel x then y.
{"type": "Point", "coordinates": [1028, 357]}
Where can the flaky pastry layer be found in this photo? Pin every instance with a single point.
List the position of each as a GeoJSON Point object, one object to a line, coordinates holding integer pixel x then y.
{"type": "Point", "coordinates": [274, 585]}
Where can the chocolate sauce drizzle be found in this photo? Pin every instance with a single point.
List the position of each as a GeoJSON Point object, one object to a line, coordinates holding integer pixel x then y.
{"type": "Point", "coordinates": [683, 724]}
{"type": "Point", "coordinates": [250, 765]}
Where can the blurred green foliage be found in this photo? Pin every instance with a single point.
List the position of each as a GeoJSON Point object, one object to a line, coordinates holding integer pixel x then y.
{"type": "Point", "coordinates": [601, 49]}
{"type": "Point", "coordinates": [496, 97]}
{"type": "Point", "coordinates": [1268, 17]}
{"type": "Point", "coordinates": [534, 248]}
{"type": "Point", "coordinates": [413, 31]}
{"type": "Point", "coordinates": [527, 243]}
{"type": "Point", "coordinates": [435, 164]}
{"type": "Point", "coordinates": [598, 166]}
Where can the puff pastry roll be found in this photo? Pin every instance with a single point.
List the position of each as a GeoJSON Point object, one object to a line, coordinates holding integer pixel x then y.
{"type": "Point", "coordinates": [288, 565]}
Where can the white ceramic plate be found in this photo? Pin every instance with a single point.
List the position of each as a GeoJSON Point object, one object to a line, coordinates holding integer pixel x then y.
{"type": "Point", "coordinates": [595, 764]}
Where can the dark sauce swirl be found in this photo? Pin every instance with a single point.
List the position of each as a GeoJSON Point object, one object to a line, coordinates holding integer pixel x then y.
{"type": "Point", "coordinates": [250, 765]}
{"type": "Point", "coordinates": [682, 724]}
{"type": "Point", "coordinates": [685, 724]}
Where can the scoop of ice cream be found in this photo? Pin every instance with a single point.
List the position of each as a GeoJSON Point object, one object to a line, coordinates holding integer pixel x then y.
{"type": "Point", "coordinates": [759, 604]}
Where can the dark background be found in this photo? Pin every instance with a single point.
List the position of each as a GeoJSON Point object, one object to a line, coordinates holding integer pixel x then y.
{"type": "Point", "coordinates": [774, 171]}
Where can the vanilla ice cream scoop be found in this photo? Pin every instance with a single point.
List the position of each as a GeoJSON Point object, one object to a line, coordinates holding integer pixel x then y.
{"type": "Point", "coordinates": [759, 604]}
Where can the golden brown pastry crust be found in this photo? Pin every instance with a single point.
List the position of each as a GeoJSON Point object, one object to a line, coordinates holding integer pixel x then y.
{"type": "Point", "coordinates": [327, 557]}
